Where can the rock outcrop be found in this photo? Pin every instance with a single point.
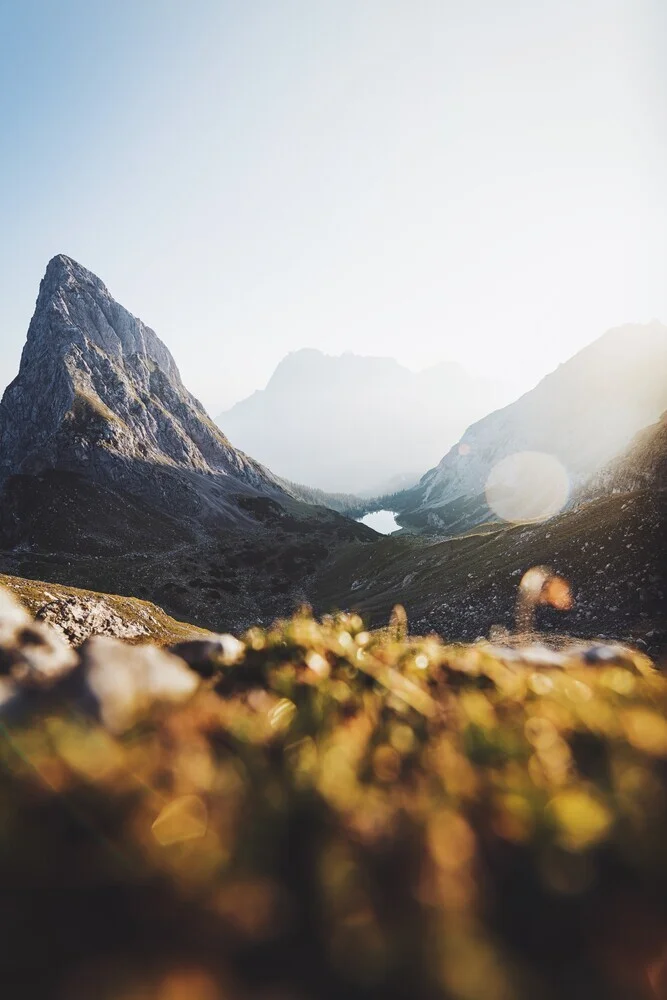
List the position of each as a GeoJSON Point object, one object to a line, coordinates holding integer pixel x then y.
{"type": "Point", "coordinates": [78, 618]}
{"type": "Point", "coordinates": [31, 653]}
{"type": "Point", "coordinates": [114, 679]}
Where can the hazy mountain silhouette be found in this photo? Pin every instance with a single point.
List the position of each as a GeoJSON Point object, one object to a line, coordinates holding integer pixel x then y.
{"type": "Point", "coordinates": [356, 424]}
{"type": "Point", "coordinates": [583, 414]}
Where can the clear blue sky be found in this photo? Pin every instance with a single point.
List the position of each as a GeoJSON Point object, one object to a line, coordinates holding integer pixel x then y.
{"type": "Point", "coordinates": [429, 179]}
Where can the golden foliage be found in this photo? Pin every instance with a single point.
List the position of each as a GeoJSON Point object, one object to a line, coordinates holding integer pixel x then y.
{"type": "Point", "coordinates": [344, 812]}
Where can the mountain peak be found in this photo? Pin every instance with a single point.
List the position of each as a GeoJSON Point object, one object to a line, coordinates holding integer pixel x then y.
{"type": "Point", "coordinates": [63, 265]}
{"type": "Point", "coordinates": [65, 277]}
{"type": "Point", "coordinates": [75, 306]}
{"type": "Point", "coordinates": [98, 390]}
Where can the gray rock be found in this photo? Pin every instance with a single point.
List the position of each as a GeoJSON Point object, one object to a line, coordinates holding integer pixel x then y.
{"type": "Point", "coordinates": [115, 680]}
{"type": "Point", "coordinates": [98, 392]}
{"type": "Point", "coordinates": [127, 680]}
{"type": "Point", "coordinates": [78, 618]}
{"type": "Point", "coordinates": [207, 656]}
{"type": "Point", "coordinates": [31, 653]}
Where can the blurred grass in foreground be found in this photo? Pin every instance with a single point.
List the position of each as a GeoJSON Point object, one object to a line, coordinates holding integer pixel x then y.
{"type": "Point", "coordinates": [335, 813]}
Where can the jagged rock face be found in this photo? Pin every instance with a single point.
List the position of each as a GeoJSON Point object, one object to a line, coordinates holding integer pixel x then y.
{"type": "Point", "coordinates": [114, 479]}
{"type": "Point", "coordinates": [98, 391]}
{"type": "Point", "coordinates": [584, 414]}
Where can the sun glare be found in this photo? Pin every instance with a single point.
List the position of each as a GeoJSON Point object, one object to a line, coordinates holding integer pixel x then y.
{"type": "Point", "coordinates": [527, 486]}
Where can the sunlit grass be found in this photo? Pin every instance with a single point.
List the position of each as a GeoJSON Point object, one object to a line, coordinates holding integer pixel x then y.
{"type": "Point", "coordinates": [342, 812]}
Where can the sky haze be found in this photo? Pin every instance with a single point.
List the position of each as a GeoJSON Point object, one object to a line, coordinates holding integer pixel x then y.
{"type": "Point", "coordinates": [433, 181]}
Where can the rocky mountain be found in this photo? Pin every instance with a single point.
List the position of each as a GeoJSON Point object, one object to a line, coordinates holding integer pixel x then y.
{"type": "Point", "coordinates": [582, 415]}
{"type": "Point", "coordinates": [114, 477]}
{"type": "Point", "coordinates": [97, 391]}
{"type": "Point", "coordinates": [356, 424]}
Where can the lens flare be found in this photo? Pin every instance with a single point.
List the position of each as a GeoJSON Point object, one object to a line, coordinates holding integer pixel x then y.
{"type": "Point", "coordinates": [527, 486]}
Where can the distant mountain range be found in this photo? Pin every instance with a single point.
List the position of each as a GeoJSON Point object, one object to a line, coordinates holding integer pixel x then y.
{"type": "Point", "coordinates": [584, 414]}
{"type": "Point", "coordinates": [610, 540]}
{"type": "Point", "coordinates": [114, 479]}
{"type": "Point", "coordinates": [356, 424]}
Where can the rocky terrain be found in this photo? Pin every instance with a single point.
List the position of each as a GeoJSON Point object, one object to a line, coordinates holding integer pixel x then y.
{"type": "Point", "coordinates": [113, 477]}
{"type": "Point", "coordinates": [613, 551]}
{"type": "Point", "coordinates": [97, 391]}
{"type": "Point", "coordinates": [114, 480]}
{"type": "Point", "coordinates": [357, 424]}
{"type": "Point", "coordinates": [99, 396]}
{"type": "Point", "coordinates": [643, 465]}
{"type": "Point", "coordinates": [583, 415]}
{"type": "Point", "coordinates": [76, 615]}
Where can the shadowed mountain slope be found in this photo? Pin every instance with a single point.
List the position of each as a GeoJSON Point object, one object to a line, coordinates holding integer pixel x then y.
{"type": "Point", "coordinates": [642, 465]}
{"type": "Point", "coordinates": [612, 550]}
{"type": "Point", "coordinates": [612, 547]}
{"type": "Point", "coordinates": [583, 414]}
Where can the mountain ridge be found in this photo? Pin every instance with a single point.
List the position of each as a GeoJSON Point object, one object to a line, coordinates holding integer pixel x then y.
{"type": "Point", "coordinates": [353, 423]}
{"type": "Point", "coordinates": [88, 364]}
{"type": "Point", "coordinates": [115, 480]}
{"type": "Point", "coordinates": [583, 414]}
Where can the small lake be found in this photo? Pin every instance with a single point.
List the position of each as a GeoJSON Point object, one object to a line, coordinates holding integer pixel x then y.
{"type": "Point", "coordinates": [383, 521]}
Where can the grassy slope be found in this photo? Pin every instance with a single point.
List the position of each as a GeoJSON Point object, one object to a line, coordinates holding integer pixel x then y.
{"type": "Point", "coordinates": [612, 551]}
{"type": "Point", "coordinates": [162, 629]}
{"type": "Point", "coordinates": [71, 530]}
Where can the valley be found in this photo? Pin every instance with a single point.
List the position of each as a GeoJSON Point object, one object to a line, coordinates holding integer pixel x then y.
{"type": "Point", "coordinates": [123, 485]}
{"type": "Point", "coordinates": [613, 552]}
{"type": "Point", "coordinates": [333, 500]}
